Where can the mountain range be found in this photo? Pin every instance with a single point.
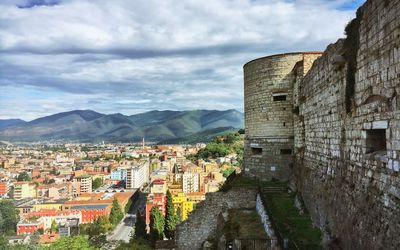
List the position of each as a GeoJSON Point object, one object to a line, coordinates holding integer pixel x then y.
{"type": "Point", "coordinates": [155, 126]}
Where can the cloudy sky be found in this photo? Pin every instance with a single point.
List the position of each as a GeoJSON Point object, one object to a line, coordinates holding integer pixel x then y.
{"type": "Point", "coordinates": [131, 56]}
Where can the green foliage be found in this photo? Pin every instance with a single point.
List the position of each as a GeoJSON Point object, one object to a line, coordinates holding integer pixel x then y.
{"type": "Point", "coordinates": [3, 242]}
{"type": "Point", "coordinates": [222, 146]}
{"type": "Point", "coordinates": [48, 181]}
{"type": "Point", "coordinates": [55, 172]}
{"type": "Point", "coordinates": [244, 224]}
{"type": "Point", "coordinates": [71, 243]}
{"type": "Point", "coordinates": [128, 206]}
{"type": "Point", "coordinates": [140, 226]}
{"type": "Point", "coordinates": [202, 136]}
{"type": "Point", "coordinates": [179, 214]}
{"type": "Point", "coordinates": [213, 150]}
{"type": "Point", "coordinates": [97, 183]}
{"type": "Point", "coordinates": [24, 176]}
{"type": "Point", "coordinates": [9, 215]}
{"type": "Point", "coordinates": [97, 231]}
{"type": "Point", "coordinates": [54, 227]}
{"type": "Point", "coordinates": [171, 218]}
{"type": "Point", "coordinates": [156, 224]}
{"type": "Point", "coordinates": [135, 244]}
{"type": "Point", "coordinates": [116, 213]}
{"type": "Point", "coordinates": [228, 171]}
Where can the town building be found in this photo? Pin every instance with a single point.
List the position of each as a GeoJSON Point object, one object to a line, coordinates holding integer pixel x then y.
{"type": "Point", "coordinates": [183, 203]}
{"type": "Point", "coordinates": [29, 226]}
{"type": "Point", "coordinates": [22, 190]}
{"type": "Point", "coordinates": [190, 182]}
{"type": "Point", "coordinates": [83, 184]}
{"type": "Point", "coordinates": [137, 175]}
{"type": "Point", "coordinates": [119, 174]}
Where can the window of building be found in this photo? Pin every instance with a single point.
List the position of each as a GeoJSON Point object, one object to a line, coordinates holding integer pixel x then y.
{"type": "Point", "coordinates": [278, 97]}
{"type": "Point", "coordinates": [256, 151]}
{"type": "Point", "coordinates": [376, 140]}
{"type": "Point", "coordinates": [286, 151]}
{"type": "Point", "coordinates": [284, 124]}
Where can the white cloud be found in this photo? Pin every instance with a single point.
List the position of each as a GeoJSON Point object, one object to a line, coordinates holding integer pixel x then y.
{"type": "Point", "coordinates": [182, 54]}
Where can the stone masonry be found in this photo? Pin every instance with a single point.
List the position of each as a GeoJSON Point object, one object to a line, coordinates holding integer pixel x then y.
{"type": "Point", "coordinates": [268, 91]}
{"type": "Point", "coordinates": [342, 122]}
{"type": "Point", "coordinates": [202, 223]}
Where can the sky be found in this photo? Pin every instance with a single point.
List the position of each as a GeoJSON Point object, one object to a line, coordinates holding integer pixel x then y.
{"type": "Point", "coordinates": [133, 56]}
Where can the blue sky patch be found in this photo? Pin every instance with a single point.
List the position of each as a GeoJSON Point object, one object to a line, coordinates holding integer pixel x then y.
{"type": "Point", "coordinates": [351, 5]}
{"type": "Point", "coordinates": [34, 3]}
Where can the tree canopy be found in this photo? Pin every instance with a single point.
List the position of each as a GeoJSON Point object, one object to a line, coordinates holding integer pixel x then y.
{"type": "Point", "coordinates": [156, 224]}
{"type": "Point", "coordinates": [116, 213]}
{"type": "Point", "coordinates": [140, 226]}
{"type": "Point", "coordinates": [171, 218]}
{"type": "Point", "coordinates": [71, 243]}
{"type": "Point", "coordinates": [96, 183]}
{"type": "Point", "coordinates": [9, 217]}
{"type": "Point", "coordinates": [24, 176]}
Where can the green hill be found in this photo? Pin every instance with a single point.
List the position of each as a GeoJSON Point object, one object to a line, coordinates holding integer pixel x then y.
{"type": "Point", "coordinates": [155, 126]}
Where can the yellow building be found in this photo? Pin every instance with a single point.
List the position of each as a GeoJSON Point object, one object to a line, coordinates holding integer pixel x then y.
{"type": "Point", "coordinates": [210, 166]}
{"type": "Point", "coordinates": [183, 202]}
{"type": "Point", "coordinates": [23, 190]}
{"type": "Point", "coordinates": [57, 205]}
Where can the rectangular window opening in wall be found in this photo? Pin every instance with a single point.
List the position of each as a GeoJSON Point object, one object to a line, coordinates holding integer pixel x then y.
{"type": "Point", "coordinates": [256, 151]}
{"type": "Point", "coordinates": [286, 151]}
{"type": "Point", "coordinates": [376, 140]}
{"type": "Point", "coordinates": [278, 97]}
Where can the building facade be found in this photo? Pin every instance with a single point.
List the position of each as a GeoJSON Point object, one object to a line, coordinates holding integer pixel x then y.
{"type": "Point", "coordinates": [137, 175]}
{"type": "Point", "coordinates": [190, 182]}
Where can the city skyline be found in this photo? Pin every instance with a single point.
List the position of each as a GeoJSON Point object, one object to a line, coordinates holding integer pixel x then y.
{"type": "Point", "coordinates": [132, 57]}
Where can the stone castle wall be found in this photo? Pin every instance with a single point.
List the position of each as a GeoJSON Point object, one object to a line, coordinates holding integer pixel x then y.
{"type": "Point", "coordinates": [202, 223]}
{"type": "Point", "coordinates": [347, 163]}
{"type": "Point", "coordinates": [269, 95]}
{"type": "Point", "coordinates": [346, 130]}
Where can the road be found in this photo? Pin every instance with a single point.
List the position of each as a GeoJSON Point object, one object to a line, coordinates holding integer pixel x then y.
{"type": "Point", "coordinates": [124, 228]}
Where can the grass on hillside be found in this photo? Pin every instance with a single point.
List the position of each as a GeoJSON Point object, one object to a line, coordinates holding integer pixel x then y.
{"type": "Point", "coordinates": [244, 224]}
{"type": "Point", "coordinates": [285, 217]}
{"type": "Point", "coordinates": [290, 223]}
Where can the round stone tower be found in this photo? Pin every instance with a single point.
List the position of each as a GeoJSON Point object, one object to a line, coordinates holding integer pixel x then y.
{"type": "Point", "coordinates": [270, 87]}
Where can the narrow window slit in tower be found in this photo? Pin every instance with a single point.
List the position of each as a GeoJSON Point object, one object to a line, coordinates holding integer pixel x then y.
{"type": "Point", "coordinates": [256, 151]}
{"type": "Point", "coordinates": [278, 97]}
{"type": "Point", "coordinates": [376, 140]}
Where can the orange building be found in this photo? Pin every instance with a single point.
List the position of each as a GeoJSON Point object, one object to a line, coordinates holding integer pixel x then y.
{"type": "Point", "coordinates": [3, 188]}
{"type": "Point", "coordinates": [29, 227]}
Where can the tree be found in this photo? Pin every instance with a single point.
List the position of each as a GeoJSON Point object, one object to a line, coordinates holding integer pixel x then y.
{"type": "Point", "coordinates": [140, 226]}
{"type": "Point", "coordinates": [156, 224]}
{"type": "Point", "coordinates": [1, 222]}
{"type": "Point", "coordinates": [179, 214]}
{"type": "Point", "coordinates": [97, 231]}
{"type": "Point", "coordinates": [9, 215]}
{"type": "Point", "coordinates": [171, 219]}
{"type": "Point", "coordinates": [71, 243]}
{"type": "Point", "coordinates": [116, 213]}
{"type": "Point", "coordinates": [48, 181]}
{"type": "Point", "coordinates": [135, 244]}
{"type": "Point", "coordinates": [128, 205]}
{"type": "Point", "coordinates": [97, 183]}
{"type": "Point", "coordinates": [54, 227]}
{"type": "Point", "coordinates": [3, 242]}
{"type": "Point", "coordinates": [34, 242]}
{"type": "Point", "coordinates": [24, 176]}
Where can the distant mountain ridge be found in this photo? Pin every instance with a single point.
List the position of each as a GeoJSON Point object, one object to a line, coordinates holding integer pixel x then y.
{"type": "Point", "coordinates": [91, 126]}
{"type": "Point", "coordinates": [10, 122]}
